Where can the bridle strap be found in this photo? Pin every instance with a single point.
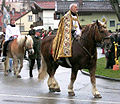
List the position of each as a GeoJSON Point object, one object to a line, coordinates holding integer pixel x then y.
{"type": "Point", "coordinates": [85, 49]}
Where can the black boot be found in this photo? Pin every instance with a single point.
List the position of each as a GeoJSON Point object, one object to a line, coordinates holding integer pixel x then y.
{"type": "Point", "coordinates": [30, 73]}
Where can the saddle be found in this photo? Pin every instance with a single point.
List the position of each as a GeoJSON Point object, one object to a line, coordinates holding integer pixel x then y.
{"type": "Point", "coordinates": [9, 41]}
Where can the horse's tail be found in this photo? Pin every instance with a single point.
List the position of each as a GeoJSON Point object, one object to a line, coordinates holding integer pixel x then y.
{"type": "Point", "coordinates": [43, 69]}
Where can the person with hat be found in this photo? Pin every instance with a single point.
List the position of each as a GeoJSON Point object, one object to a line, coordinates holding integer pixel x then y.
{"type": "Point", "coordinates": [32, 31]}
{"type": "Point", "coordinates": [36, 55]}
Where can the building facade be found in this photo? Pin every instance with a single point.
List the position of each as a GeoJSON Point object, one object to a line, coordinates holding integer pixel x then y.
{"type": "Point", "coordinates": [90, 11]}
{"type": "Point", "coordinates": [24, 22]}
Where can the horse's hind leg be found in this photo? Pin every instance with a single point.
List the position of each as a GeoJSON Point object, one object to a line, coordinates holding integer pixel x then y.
{"type": "Point", "coordinates": [73, 78]}
{"type": "Point", "coordinates": [47, 68]}
{"type": "Point", "coordinates": [6, 66]}
{"type": "Point", "coordinates": [95, 92]}
{"type": "Point", "coordinates": [52, 83]}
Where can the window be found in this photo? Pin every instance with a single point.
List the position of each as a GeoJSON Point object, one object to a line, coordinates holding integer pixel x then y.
{"type": "Point", "coordinates": [22, 28]}
{"type": "Point", "coordinates": [56, 16]}
{"type": "Point", "coordinates": [30, 18]}
{"type": "Point", "coordinates": [112, 23]}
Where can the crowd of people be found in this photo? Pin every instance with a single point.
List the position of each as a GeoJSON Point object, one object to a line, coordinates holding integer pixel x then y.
{"type": "Point", "coordinates": [110, 50]}
{"type": "Point", "coordinates": [37, 36]}
{"type": "Point", "coordinates": [12, 32]}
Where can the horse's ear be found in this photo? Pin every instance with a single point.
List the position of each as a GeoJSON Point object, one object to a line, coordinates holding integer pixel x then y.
{"type": "Point", "coordinates": [97, 22]}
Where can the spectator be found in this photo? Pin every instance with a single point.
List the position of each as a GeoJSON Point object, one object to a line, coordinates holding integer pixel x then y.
{"type": "Point", "coordinates": [36, 55]}
{"type": "Point", "coordinates": [50, 31]}
{"type": "Point", "coordinates": [31, 31]}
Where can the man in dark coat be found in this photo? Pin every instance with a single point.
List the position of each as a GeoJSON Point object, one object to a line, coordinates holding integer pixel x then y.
{"type": "Point", "coordinates": [36, 55]}
{"type": "Point", "coordinates": [110, 53]}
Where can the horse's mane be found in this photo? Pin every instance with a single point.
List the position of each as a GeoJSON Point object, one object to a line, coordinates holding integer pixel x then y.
{"type": "Point", "coordinates": [21, 40]}
{"type": "Point", "coordinates": [87, 29]}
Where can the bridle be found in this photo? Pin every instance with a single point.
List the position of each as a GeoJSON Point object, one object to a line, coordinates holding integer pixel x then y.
{"type": "Point", "coordinates": [26, 48]}
{"type": "Point", "coordinates": [84, 48]}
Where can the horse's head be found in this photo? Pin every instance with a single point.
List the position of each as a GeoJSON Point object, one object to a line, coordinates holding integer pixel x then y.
{"type": "Point", "coordinates": [25, 42]}
{"type": "Point", "coordinates": [100, 31]}
{"type": "Point", "coordinates": [29, 44]}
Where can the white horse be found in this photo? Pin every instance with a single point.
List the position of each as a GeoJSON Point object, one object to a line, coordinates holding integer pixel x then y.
{"type": "Point", "coordinates": [16, 50]}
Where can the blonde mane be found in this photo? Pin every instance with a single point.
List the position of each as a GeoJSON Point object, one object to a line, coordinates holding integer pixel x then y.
{"type": "Point", "coordinates": [21, 40]}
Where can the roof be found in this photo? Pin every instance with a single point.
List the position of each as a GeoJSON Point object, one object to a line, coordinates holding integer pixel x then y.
{"type": "Point", "coordinates": [22, 15]}
{"type": "Point", "coordinates": [45, 4]}
{"type": "Point", "coordinates": [86, 6]}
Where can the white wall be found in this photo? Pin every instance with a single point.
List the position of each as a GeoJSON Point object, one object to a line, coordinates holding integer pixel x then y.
{"type": "Point", "coordinates": [48, 18]}
{"type": "Point", "coordinates": [56, 22]}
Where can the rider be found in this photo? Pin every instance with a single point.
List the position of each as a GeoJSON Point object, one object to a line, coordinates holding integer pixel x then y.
{"type": "Point", "coordinates": [11, 32]}
{"type": "Point", "coordinates": [69, 28]}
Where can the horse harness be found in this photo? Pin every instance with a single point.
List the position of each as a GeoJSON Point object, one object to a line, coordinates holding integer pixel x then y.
{"type": "Point", "coordinates": [85, 49]}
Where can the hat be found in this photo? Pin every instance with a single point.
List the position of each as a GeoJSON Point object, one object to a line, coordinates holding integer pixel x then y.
{"type": "Point", "coordinates": [31, 26]}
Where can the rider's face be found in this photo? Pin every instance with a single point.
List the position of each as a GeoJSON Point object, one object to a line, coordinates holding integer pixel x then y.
{"type": "Point", "coordinates": [74, 9]}
{"type": "Point", "coordinates": [12, 22]}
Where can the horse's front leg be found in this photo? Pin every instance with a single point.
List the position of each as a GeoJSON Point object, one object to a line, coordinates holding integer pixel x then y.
{"type": "Point", "coordinates": [6, 66]}
{"type": "Point", "coordinates": [15, 66]}
{"type": "Point", "coordinates": [21, 66]}
{"type": "Point", "coordinates": [95, 92]}
{"type": "Point", "coordinates": [73, 78]}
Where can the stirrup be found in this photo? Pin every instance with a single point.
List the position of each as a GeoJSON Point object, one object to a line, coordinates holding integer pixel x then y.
{"type": "Point", "coordinates": [4, 58]}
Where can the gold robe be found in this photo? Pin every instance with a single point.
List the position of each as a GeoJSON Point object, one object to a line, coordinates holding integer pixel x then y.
{"type": "Point", "coordinates": [62, 44]}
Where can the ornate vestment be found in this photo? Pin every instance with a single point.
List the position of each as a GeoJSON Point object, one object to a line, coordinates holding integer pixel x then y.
{"type": "Point", "coordinates": [61, 46]}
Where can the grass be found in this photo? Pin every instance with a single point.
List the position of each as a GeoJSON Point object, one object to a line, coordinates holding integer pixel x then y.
{"type": "Point", "coordinates": [101, 63]}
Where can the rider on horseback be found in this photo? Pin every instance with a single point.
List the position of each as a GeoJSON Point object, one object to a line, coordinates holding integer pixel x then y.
{"type": "Point", "coordinates": [11, 32]}
{"type": "Point", "coordinates": [69, 27]}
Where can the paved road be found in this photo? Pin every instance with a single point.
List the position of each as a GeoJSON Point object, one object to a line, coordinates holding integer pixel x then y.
{"type": "Point", "coordinates": [32, 91]}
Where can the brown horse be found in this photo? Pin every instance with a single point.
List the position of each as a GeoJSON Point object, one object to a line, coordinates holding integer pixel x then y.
{"type": "Point", "coordinates": [16, 50]}
{"type": "Point", "coordinates": [84, 55]}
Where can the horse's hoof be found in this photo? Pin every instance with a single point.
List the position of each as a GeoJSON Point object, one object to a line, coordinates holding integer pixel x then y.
{"type": "Point", "coordinates": [71, 93]}
{"type": "Point", "coordinates": [6, 74]}
{"type": "Point", "coordinates": [97, 96]}
{"type": "Point", "coordinates": [57, 90]}
{"type": "Point", "coordinates": [18, 76]}
{"type": "Point", "coordinates": [51, 89]}
{"type": "Point", "coordinates": [9, 70]}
